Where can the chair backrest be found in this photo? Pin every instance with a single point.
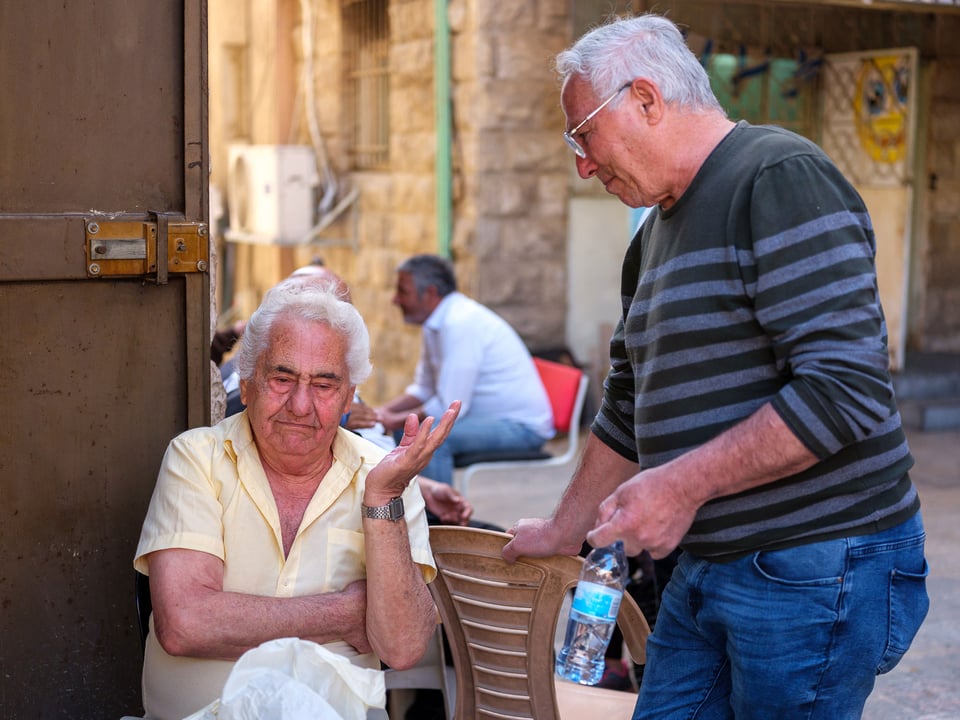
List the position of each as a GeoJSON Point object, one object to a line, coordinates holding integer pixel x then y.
{"type": "Point", "coordinates": [562, 383]}
{"type": "Point", "coordinates": [501, 620]}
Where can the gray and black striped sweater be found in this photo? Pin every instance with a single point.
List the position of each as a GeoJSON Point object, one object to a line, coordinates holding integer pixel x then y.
{"type": "Point", "coordinates": [759, 286]}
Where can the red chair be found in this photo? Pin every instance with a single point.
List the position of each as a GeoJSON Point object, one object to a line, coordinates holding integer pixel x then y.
{"type": "Point", "coordinates": [566, 387]}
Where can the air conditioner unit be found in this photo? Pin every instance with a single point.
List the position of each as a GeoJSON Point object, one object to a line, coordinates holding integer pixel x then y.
{"type": "Point", "coordinates": [270, 192]}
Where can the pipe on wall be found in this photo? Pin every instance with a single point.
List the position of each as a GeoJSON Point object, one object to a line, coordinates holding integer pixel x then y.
{"type": "Point", "coordinates": [443, 167]}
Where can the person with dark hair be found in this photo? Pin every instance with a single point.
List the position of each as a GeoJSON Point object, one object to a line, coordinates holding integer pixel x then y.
{"type": "Point", "coordinates": [471, 354]}
{"type": "Point", "coordinates": [748, 416]}
{"type": "Point", "coordinates": [277, 522]}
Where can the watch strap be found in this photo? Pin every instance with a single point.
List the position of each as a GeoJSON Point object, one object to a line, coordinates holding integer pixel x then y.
{"type": "Point", "coordinates": [392, 511]}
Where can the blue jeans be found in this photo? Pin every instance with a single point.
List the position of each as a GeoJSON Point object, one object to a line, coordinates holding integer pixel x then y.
{"type": "Point", "coordinates": [795, 633]}
{"type": "Point", "coordinates": [478, 435]}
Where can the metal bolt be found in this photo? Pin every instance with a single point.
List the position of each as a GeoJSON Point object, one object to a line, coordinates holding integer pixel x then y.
{"type": "Point", "coordinates": [94, 269]}
{"type": "Point", "coordinates": [202, 230]}
{"type": "Point", "coordinates": [100, 249]}
{"type": "Point", "coordinates": [93, 228]}
{"type": "Point", "coordinates": [201, 265]}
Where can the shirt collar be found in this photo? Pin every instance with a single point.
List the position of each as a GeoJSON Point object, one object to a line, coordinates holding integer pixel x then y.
{"type": "Point", "coordinates": [439, 314]}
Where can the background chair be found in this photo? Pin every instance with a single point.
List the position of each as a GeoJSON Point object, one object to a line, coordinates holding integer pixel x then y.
{"type": "Point", "coordinates": [566, 387]}
{"type": "Point", "coordinates": [501, 624]}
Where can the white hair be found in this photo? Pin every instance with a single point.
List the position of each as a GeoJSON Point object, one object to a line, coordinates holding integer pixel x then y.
{"type": "Point", "coordinates": [647, 46]}
{"type": "Point", "coordinates": [313, 301]}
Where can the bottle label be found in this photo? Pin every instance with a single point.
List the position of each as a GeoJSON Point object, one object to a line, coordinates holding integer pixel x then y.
{"type": "Point", "coordinates": [597, 601]}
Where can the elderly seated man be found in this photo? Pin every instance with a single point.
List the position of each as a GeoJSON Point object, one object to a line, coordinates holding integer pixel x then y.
{"type": "Point", "coordinates": [277, 522]}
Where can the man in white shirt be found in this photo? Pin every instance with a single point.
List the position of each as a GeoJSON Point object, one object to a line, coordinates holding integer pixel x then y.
{"type": "Point", "coordinates": [471, 354]}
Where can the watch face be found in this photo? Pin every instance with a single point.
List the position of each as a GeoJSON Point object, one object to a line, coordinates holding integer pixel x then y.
{"type": "Point", "coordinates": [396, 508]}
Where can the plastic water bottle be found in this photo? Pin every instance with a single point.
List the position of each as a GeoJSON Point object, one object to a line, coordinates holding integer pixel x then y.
{"type": "Point", "coordinates": [593, 615]}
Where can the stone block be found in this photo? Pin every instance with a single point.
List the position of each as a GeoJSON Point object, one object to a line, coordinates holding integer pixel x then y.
{"type": "Point", "coordinates": [518, 55]}
{"type": "Point", "coordinates": [471, 57]}
{"type": "Point", "coordinates": [553, 193]}
{"type": "Point", "coordinates": [506, 104]}
{"type": "Point", "coordinates": [411, 109]}
{"type": "Point", "coordinates": [533, 239]}
{"type": "Point", "coordinates": [413, 151]}
{"type": "Point", "coordinates": [506, 194]}
{"type": "Point", "coordinates": [411, 20]}
{"type": "Point", "coordinates": [374, 191]}
{"type": "Point", "coordinates": [486, 237]}
{"type": "Point", "coordinates": [511, 15]}
{"type": "Point", "coordinates": [412, 60]}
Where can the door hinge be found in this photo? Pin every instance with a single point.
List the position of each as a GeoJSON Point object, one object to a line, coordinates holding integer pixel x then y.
{"type": "Point", "coordinates": [154, 249]}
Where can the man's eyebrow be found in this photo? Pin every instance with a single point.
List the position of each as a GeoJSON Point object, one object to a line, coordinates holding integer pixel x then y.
{"type": "Point", "coordinates": [330, 375]}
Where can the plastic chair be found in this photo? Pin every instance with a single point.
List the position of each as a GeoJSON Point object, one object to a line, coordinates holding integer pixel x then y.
{"type": "Point", "coordinates": [566, 387]}
{"type": "Point", "coordinates": [501, 622]}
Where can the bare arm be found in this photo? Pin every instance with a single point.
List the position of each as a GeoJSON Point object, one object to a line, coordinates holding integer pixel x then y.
{"type": "Point", "coordinates": [655, 508]}
{"type": "Point", "coordinates": [445, 501]}
{"type": "Point", "coordinates": [194, 617]}
{"type": "Point", "coordinates": [600, 472]}
{"type": "Point", "coordinates": [400, 612]}
{"type": "Point", "coordinates": [394, 413]}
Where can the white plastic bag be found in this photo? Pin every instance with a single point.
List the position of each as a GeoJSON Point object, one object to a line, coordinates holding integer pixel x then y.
{"type": "Point", "coordinates": [293, 679]}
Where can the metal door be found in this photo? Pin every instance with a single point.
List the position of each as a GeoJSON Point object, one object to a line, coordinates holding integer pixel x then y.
{"type": "Point", "coordinates": [869, 128]}
{"type": "Point", "coordinates": [104, 327]}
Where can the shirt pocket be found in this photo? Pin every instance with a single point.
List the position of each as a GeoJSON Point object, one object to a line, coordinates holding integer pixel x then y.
{"type": "Point", "coordinates": [346, 558]}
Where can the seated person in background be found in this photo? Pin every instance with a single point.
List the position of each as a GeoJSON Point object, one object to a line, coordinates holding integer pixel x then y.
{"type": "Point", "coordinates": [471, 354]}
{"type": "Point", "coordinates": [277, 522]}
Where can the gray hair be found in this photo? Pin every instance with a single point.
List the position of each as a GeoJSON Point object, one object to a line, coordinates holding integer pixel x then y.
{"type": "Point", "coordinates": [306, 300]}
{"type": "Point", "coordinates": [427, 270]}
{"type": "Point", "coordinates": [647, 46]}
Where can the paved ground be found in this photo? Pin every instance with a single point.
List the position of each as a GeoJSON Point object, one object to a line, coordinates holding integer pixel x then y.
{"type": "Point", "coordinates": [926, 683]}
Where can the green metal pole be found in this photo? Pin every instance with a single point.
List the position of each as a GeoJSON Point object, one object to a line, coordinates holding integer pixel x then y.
{"type": "Point", "coordinates": [443, 165]}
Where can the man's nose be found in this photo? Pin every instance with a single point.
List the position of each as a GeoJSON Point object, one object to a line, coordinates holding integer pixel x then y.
{"type": "Point", "coordinates": [300, 399]}
{"type": "Point", "coordinates": [586, 168]}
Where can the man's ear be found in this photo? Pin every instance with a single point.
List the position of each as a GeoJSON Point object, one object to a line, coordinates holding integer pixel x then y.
{"type": "Point", "coordinates": [647, 93]}
{"type": "Point", "coordinates": [243, 392]}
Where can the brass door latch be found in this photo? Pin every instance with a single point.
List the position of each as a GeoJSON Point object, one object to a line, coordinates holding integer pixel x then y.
{"type": "Point", "coordinates": [153, 249]}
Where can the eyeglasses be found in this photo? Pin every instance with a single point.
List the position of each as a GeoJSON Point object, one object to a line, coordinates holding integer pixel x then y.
{"type": "Point", "coordinates": [570, 135]}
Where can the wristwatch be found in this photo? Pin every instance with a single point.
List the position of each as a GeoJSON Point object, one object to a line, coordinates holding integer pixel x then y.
{"type": "Point", "coordinates": [392, 511]}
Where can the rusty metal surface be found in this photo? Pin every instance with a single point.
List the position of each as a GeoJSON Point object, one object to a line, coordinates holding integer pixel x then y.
{"type": "Point", "coordinates": [104, 116]}
{"type": "Point", "coordinates": [93, 401]}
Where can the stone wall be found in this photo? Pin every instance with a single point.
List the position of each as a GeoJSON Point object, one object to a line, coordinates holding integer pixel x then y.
{"type": "Point", "coordinates": [510, 175]}
{"type": "Point", "coordinates": [937, 326]}
{"type": "Point", "coordinates": [511, 211]}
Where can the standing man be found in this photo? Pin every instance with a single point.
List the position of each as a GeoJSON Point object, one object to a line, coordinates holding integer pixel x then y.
{"type": "Point", "coordinates": [748, 416]}
{"type": "Point", "coordinates": [278, 523]}
{"type": "Point", "coordinates": [468, 353]}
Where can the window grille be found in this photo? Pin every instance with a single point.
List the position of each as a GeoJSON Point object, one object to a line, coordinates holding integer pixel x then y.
{"type": "Point", "coordinates": [366, 33]}
{"type": "Point", "coordinates": [767, 90]}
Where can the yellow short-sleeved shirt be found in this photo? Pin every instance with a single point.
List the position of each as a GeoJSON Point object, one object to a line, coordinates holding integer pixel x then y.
{"type": "Point", "coordinates": [212, 495]}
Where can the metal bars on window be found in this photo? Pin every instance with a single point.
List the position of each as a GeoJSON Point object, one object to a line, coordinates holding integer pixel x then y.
{"type": "Point", "coordinates": [366, 35]}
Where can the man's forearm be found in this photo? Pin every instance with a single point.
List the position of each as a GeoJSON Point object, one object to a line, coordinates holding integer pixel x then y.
{"type": "Point", "coordinates": [654, 509]}
{"type": "Point", "coordinates": [194, 617]}
{"type": "Point", "coordinates": [757, 451]}
{"type": "Point", "coordinates": [599, 472]}
{"type": "Point", "coordinates": [400, 612]}
{"type": "Point", "coordinates": [402, 403]}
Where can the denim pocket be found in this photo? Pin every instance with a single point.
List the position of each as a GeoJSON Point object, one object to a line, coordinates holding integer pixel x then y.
{"type": "Point", "coordinates": [909, 603]}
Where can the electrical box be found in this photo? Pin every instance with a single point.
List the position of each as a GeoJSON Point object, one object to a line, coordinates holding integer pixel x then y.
{"type": "Point", "coordinates": [271, 193]}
